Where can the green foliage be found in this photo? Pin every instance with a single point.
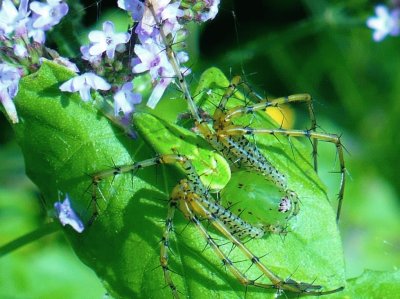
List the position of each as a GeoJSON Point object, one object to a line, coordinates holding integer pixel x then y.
{"type": "Point", "coordinates": [320, 47]}
{"type": "Point", "coordinates": [371, 285]}
{"type": "Point", "coordinates": [43, 269]}
{"type": "Point", "coordinates": [64, 139]}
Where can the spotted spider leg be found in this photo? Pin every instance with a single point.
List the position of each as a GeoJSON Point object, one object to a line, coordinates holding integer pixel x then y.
{"type": "Point", "coordinates": [266, 103]}
{"type": "Point", "coordinates": [236, 225]}
{"type": "Point", "coordinates": [192, 198]}
{"type": "Point", "coordinates": [230, 139]}
{"type": "Point", "coordinates": [193, 206]}
{"type": "Point", "coordinates": [332, 138]}
{"type": "Point", "coordinates": [238, 150]}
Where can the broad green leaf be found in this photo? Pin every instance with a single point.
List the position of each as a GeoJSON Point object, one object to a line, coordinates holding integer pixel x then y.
{"type": "Point", "coordinates": [64, 139]}
{"type": "Point", "coordinates": [371, 285]}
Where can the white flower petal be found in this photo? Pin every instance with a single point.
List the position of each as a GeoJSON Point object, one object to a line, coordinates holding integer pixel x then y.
{"type": "Point", "coordinates": [9, 106]}
{"type": "Point", "coordinates": [97, 49]}
{"type": "Point", "coordinates": [108, 28]}
{"type": "Point", "coordinates": [67, 215]}
{"type": "Point", "coordinates": [157, 93]}
{"type": "Point", "coordinates": [96, 36]}
{"type": "Point", "coordinates": [67, 86]}
{"type": "Point", "coordinates": [84, 92]}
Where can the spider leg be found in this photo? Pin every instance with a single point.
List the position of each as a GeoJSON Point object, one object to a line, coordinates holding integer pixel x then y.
{"type": "Point", "coordinates": [332, 138]}
{"type": "Point", "coordinates": [193, 199]}
{"type": "Point", "coordinates": [223, 116]}
{"type": "Point", "coordinates": [192, 206]}
{"type": "Point", "coordinates": [172, 205]}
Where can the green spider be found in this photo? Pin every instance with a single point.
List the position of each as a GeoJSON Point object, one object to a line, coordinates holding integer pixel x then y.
{"type": "Point", "coordinates": [206, 172]}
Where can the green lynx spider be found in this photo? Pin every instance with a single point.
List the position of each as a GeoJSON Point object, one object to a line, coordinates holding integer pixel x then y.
{"type": "Point", "coordinates": [194, 200]}
{"type": "Point", "coordinates": [192, 197]}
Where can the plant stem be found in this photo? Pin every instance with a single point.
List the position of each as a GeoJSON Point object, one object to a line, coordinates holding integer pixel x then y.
{"type": "Point", "coordinates": [35, 235]}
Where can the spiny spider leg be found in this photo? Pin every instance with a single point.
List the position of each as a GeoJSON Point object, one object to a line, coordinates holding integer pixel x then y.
{"type": "Point", "coordinates": [332, 138]}
{"type": "Point", "coordinates": [237, 226]}
{"type": "Point", "coordinates": [224, 116]}
{"type": "Point", "coordinates": [191, 205]}
{"type": "Point", "coordinates": [229, 139]}
{"type": "Point", "coordinates": [191, 195]}
{"type": "Point", "coordinates": [172, 205]}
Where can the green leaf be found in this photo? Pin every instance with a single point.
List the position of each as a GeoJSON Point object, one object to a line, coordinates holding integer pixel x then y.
{"type": "Point", "coordinates": [371, 285]}
{"type": "Point", "coordinates": [64, 139]}
{"type": "Point", "coordinates": [164, 136]}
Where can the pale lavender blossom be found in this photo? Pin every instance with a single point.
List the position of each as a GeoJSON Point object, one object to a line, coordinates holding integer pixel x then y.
{"type": "Point", "coordinates": [11, 19]}
{"type": "Point", "coordinates": [182, 56]}
{"type": "Point", "coordinates": [153, 59]}
{"type": "Point", "coordinates": [385, 23]}
{"type": "Point", "coordinates": [84, 83]}
{"type": "Point", "coordinates": [20, 51]}
{"type": "Point", "coordinates": [48, 14]}
{"type": "Point", "coordinates": [106, 40]}
{"type": "Point", "coordinates": [9, 79]}
{"type": "Point", "coordinates": [161, 85]}
{"type": "Point", "coordinates": [212, 10]}
{"type": "Point", "coordinates": [125, 99]}
{"type": "Point", "coordinates": [67, 63]}
{"type": "Point", "coordinates": [166, 14]}
{"type": "Point", "coordinates": [67, 215]}
{"type": "Point", "coordinates": [169, 18]}
{"type": "Point", "coordinates": [38, 35]}
{"type": "Point", "coordinates": [135, 7]}
{"type": "Point", "coordinates": [93, 59]}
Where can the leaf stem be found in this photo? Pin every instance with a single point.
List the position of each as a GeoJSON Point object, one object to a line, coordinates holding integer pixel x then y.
{"type": "Point", "coordinates": [30, 237]}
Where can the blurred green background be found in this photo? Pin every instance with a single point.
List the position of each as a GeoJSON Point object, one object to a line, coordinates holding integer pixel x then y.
{"type": "Point", "coordinates": [280, 47]}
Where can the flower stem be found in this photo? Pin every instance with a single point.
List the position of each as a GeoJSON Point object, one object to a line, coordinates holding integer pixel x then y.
{"type": "Point", "coordinates": [176, 66]}
{"type": "Point", "coordinates": [35, 235]}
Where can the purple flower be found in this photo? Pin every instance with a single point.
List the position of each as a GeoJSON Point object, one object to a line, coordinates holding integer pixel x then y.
{"type": "Point", "coordinates": [48, 15]}
{"type": "Point", "coordinates": [93, 59]}
{"type": "Point", "coordinates": [67, 215]}
{"type": "Point", "coordinates": [212, 6]}
{"type": "Point", "coordinates": [20, 51]}
{"type": "Point", "coordinates": [125, 99]}
{"type": "Point", "coordinates": [385, 23]}
{"type": "Point", "coordinates": [153, 59]}
{"type": "Point", "coordinates": [12, 19]}
{"type": "Point", "coordinates": [65, 62]}
{"type": "Point", "coordinates": [106, 40]}
{"type": "Point", "coordinates": [165, 13]}
{"type": "Point", "coordinates": [38, 35]}
{"type": "Point", "coordinates": [158, 91]}
{"type": "Point", "coordinates": [84, 83]}
{"type": "Point", "coordinates": [9, 79]}
{"type": "Point", "coordinates": [135, 7]}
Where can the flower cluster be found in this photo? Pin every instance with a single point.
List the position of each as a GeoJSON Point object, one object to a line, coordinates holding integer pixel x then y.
{"type": "Point", "coordinates": [386, 22]}
{"type": "Point", "coordinates": [22, 34]}
{"type": "Point", "coordinates": [156, 21]}
{"type": "Point", "coordinates": [159, 30]}
{"type": "Point", "coordinates": [157, 42]}
{"type": "Point", "coordinates": [159, 26]}
{"type": "Point", "coordinates": [23, 24]}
